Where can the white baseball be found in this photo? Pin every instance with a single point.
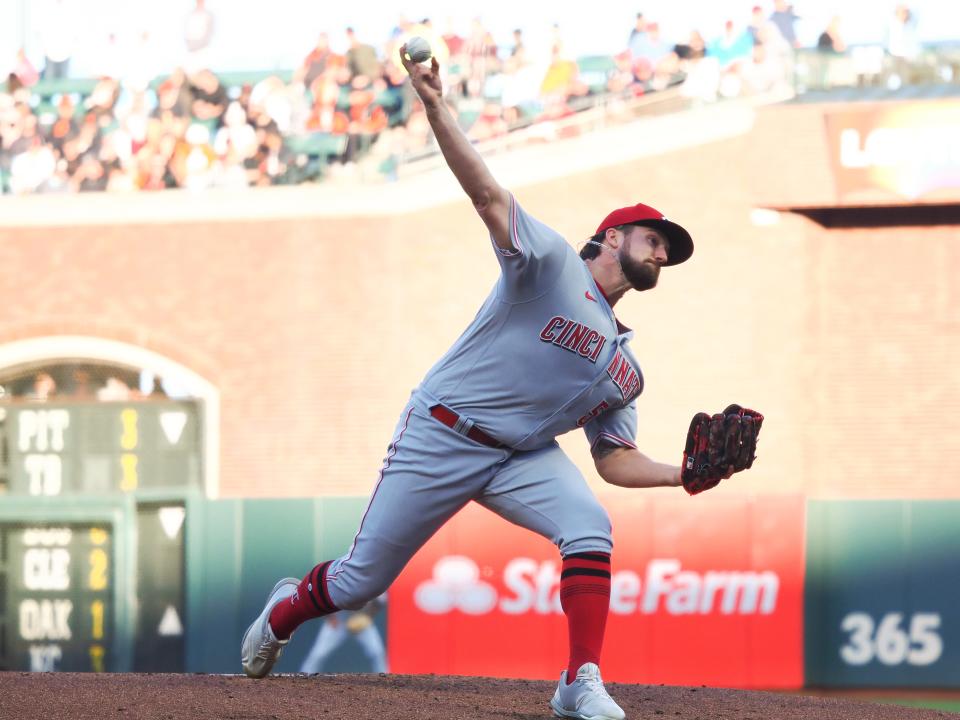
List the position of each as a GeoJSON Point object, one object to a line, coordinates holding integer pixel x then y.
{"type": "Point", "coordinates": [418, 49]}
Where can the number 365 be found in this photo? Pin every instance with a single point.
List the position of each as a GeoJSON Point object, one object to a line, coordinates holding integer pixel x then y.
{"type": "Point", "coordinates": [889, 642]}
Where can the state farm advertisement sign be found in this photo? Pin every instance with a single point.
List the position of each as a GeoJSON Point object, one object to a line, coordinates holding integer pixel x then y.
{"type": "Point", "coordinates": [704, 590]}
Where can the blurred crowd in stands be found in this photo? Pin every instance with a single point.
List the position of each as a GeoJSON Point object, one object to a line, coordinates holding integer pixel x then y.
{"type": "Point", "coordinates": [83, 381]}
{"type": "Point", "coordinates": [200, 127]}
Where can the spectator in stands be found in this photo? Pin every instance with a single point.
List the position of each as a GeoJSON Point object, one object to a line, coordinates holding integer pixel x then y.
{"type": "Point", "coordinates": [768, 34]}
{"type": "Point", "coordinates": [521, 80]}
{"type": "Point", "coordinates": [90, 176]}
{"type": "Point", "coordinates": [901, 36]}
{"type": "Point", "coordinates": [236, 134]}
{"type": "Point", "coordinates": [397, 97]}
{"type": "Point", "coordinates": [32, 169]}
{"type": "Point", "coordinates": [134, 120]}
{"type": "Point", "coordinates": [830, 40]}
{"type": "Point", "coordinates": [272, 162]}
{"type": "Point", "coordinates": [154, 163]}
{"type": "Point", "coordinates": [156, 389]}
{"type": "Point", "coordinates": [65, 124]}
{"type": "Point", "coordinates": [324, 115]}
{"type": "Point", "coordinates": [517, 49]}
{"type": "Point", "coordinates": [315, 63]}
{"type": "Point", "coordinates": [285, 105]}
{"type": "Point", "coordinates": [113, 389]}
{"type": "Point", "coordinates": [362, 60]}
{"type": "Point", "coordinates": [637, 36]}
{"type": "Point", "coordinates": [81, 387]}
{"type": "Point", "coordinates": [44, 387]}
{"type": "Point", "coordinates": [479, 49]}
{"type": "Point", "coordinates": [656, 65]}
{"type": "Point", "coordinates": [785, 20]}
{"type": "Point", "coordinates": [651, 46]}
{"type": "Point", "coordinates": [695, 48]}
{"type": "Point", "coordinates": [24, 70]}
{"type": "Point", "coordinates": [452, 39]}
{"type": "Point", "coordinates": [197, 33]}
{"type": "Point", "coordinates": [757, 21]}
{"type": "Point", "coordinates": [103, 98]}
{"type": "Point", "coordinates": [560, 84]}
{"type": "Point", "coordinates": [194, 161]}
{"type": "Point", "coordinates": [58, 36]}
{"type": "Point", "coordinates": [13, 83]}
{"type": "Point", "coordinates": [700, 70]}
{"type": "Point", "coordinates": [620, 77]}
{"type": "Point", "coordinates": [732, 46]}
{"type": "Point", "coordinates": [763, 73]}
{"type": "Point", "coordinates": [174, 97]}
{"type": "Point", "coordinates": [366, 119]}
{"type": "Point", "coordinates": [209, 97]}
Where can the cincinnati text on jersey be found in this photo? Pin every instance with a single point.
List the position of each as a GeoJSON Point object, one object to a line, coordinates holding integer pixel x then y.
{"type": "Point", "coordinates": [573, 336]}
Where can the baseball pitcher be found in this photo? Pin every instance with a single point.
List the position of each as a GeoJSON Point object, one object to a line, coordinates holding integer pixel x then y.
{"type": "Point", "coordinates": [544, 355]}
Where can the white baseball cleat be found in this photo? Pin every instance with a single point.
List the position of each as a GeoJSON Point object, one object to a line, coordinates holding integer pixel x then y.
{"type": "Point", "coordinates": [585, 698]}
{"type": "Point", "coordinates": [260, 649]}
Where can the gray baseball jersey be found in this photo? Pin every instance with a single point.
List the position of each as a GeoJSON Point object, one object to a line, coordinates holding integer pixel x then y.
{"type": "Point", "coordinates": [544, 355]}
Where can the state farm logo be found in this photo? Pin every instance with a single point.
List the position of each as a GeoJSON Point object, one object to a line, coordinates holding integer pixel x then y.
{"type": "Point", "coordinates": [456, 585]}
{"type": "Point", "coordinates": [534, 586]}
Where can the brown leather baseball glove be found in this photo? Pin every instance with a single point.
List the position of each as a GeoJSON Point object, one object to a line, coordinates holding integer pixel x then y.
{"type": "Point", "coordinates": [718, 446]}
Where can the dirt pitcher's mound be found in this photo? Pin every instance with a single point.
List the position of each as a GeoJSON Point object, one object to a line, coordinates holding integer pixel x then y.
{"type": "Point", "coordinates": [72, 696]}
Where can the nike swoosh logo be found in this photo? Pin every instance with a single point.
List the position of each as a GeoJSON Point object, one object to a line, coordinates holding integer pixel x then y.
{"type": "Point", "coordinates": [589, 296]}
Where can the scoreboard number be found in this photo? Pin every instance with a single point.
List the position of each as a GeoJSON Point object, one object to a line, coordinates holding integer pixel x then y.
{"type": "Point", "coordinates": [128, 469]}
{"type": "Point", "coordinates": [98, 569]}
{"type": "Point", "coordinates": [128, 421]}
{"type": "Point", "coordinates": [96, 617]}
{"type": "Point", "coordinates": [97, 654]}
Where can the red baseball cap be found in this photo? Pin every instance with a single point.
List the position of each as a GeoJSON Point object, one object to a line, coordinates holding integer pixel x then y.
{"type": "Point", "coordinates": [681, 244]}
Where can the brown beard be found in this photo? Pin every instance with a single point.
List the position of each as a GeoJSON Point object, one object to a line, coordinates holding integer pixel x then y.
{"type": "Point", "coordinates": [640, 274]}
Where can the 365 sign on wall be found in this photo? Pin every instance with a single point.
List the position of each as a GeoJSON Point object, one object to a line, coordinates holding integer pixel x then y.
{"type": "Point", "coordinates": [883, 594]}
{"type": "Point", "coordinates": [704, 590]}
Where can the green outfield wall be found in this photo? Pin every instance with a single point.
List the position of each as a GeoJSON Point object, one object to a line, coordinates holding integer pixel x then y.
{"type": "Point", "coordinates": [167, 581]}
{"type": "Point", "coordinates": [155, 581]}
{"type": "Point", "coordinates": [882, 594]}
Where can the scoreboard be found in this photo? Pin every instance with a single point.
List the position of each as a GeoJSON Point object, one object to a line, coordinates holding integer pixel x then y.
{"type": "Point", "coordinates": [92, 533]}
{"type": "Point", "coordinates": [58, 596]}
{"type": "Point", "coordinates": [101, 447]}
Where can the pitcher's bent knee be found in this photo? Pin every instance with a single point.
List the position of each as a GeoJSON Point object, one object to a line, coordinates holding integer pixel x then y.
{"type": "Point", "coordinates": [591, 532]}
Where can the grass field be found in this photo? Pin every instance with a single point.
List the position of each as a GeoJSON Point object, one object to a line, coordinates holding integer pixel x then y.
{"type": "Point", "coordinates": [947, 705]}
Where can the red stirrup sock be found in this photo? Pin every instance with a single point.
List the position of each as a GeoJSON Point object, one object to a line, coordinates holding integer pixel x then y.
{"type": "Point", "coordinates": [585, 599]}
{"type": "Point", "coordinates": [310, 601]}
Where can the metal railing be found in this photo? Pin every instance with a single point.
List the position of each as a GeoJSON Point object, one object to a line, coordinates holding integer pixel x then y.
{"type": "Point", "coordinates": [872, 66]}
{"type": "Point", "coordinates": [590, 114]}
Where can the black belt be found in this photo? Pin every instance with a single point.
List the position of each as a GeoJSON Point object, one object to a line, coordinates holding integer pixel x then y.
{"type": "Point", "coordinates": [449, 418]}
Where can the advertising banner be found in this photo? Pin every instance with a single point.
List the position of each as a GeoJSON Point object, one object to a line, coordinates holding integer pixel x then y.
{"type": "Point", "coordinates": [705, 590]}
{"type": "Point", "coordinates": [903, 150]}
